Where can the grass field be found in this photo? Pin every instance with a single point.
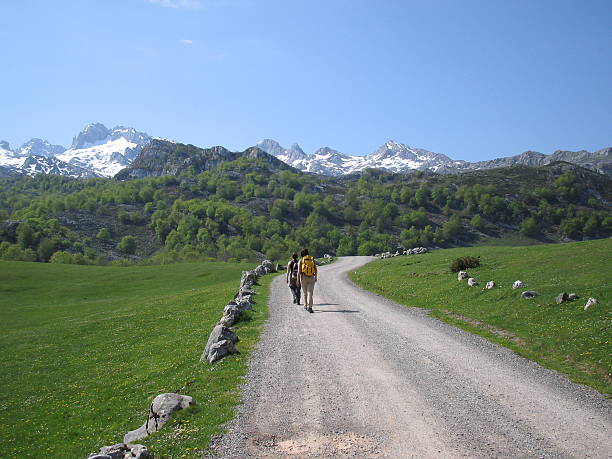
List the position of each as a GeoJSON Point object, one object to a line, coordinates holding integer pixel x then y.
{"type": "Point", "coordinates": [562, 337]}
{"type": "Point", "coordinates": [86, 348]}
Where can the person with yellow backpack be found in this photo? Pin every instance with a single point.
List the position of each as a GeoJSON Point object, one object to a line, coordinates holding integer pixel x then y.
{"type": "Point", "coordinates": [307, 269]}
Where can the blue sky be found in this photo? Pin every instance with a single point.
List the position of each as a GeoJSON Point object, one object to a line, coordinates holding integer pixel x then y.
{"type": "Point", "coordinates": [470, 79]}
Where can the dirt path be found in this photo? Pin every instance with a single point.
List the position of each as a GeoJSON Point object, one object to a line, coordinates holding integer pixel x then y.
{"type": "Point", "coordinates": [365, 377]}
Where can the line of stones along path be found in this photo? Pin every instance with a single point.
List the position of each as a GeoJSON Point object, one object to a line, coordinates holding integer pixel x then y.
{"type": "Point", "coordinates": [365, 377]}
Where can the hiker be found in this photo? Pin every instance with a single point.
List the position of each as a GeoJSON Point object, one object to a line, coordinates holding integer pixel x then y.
{"type": "Point", "coordinates": [292, 278]}
{"type": "Point", "coordinates": [307, 277]}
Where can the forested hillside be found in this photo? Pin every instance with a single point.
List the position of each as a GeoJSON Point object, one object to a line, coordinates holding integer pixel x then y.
{"type": "Point", "coordinates": [250, 208]}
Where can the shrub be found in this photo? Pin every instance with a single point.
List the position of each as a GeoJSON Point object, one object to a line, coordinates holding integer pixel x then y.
{"type": "Point", "coordinates": [460, 264]}
{"type": "Point", "coordinates": [127, 245]}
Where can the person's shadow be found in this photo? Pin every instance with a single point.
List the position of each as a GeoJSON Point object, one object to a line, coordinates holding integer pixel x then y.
{"type": "Point", "coordinates": [334, 310]}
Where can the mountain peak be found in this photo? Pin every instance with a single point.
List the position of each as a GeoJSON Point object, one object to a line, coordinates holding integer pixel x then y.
{"type": "Point", "coordinates": [92, 134]}
{"type": "Point", "coordinates": [271, 146]}
{"type": "Point", "coordinates": [5, 145]}
{"type": "Point", "coordinates": [39, 147]}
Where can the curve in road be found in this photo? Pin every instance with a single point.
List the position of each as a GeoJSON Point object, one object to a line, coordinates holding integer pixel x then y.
{"type": "Point", "coordinates": [365, 377]}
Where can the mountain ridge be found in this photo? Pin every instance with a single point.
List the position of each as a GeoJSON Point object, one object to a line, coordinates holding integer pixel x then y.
{"type": "Point", "coordinates": [97, 151]}
{"type": "Point", "coordinates": [396, 157]}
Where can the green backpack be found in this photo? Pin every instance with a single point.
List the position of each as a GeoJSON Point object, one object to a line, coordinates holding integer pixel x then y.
{"type": "Point", "coordinates": [308, 266]}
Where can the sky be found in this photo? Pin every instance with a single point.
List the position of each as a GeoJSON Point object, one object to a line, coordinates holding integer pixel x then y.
{"type": "Point", "coordinates": [472, 79]}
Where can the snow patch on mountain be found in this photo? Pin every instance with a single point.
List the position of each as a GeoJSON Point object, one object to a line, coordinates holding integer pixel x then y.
{"type": "Point", "coordinates": [105, 157]}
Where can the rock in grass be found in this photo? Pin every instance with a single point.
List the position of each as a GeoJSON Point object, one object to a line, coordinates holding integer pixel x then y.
{"type": "Point", "coordinates": [472, 282]}
{"type": "Point", "coordinates": [159, 412]}
{"type": "Point", "coordinates": [590, 303]}
{"type": "Point", "coordinates": [562, 298]}
{"type": "Point", "coordinates": [220, 349]}
{"type": "Point", "coordinates": [462, 275]}
{"type": "Point", "coordinates": [214, 351]}
{"type": "Point", "coordinates": [518, 284]}
{"type": "Point", "coordinates": [121, 451]}
{"type": "Point", "coordinates": [231, 315]}
{"type": "Point", "coordinates": [248, 279]}
{"type": "Point", "coordinates": [490, 285]}
{"type": "Point", "coordinates": [528, 294]}
{"type": "Point", "coordinates": [268, 266]}
{"type": "Point", "coordinates": [572, 297]}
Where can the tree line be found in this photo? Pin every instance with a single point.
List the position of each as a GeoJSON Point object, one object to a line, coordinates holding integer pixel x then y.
{"type": "Point", "coordinates": [245, 209]}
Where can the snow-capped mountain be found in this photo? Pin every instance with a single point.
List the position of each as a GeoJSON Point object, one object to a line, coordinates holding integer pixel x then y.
{"type": "Point", "coordinates": [95, 152]}
{"type": "Point", "coordinates": [392, 156]}
{"type": "Point", "coordinates": [39, 147]}
{"type": "Point", "coordinates": [104, 151]}
{"type": "Point", "coordinates": [34, 165]}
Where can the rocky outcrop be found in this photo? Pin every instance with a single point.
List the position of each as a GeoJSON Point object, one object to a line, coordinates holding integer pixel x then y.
{"type": "Point", "coordinates": [122, 451]}
{"type": "Point", "coordinates": [160, 412]}
{"type": "Point", "coordinates": [162, 157]}
{"type": "Point", "coordinates": [590, 303]}
{"type": "Point", "coordinates": [562, 298]}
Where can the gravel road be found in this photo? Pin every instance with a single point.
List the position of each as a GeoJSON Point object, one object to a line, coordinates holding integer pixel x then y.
{"type": "Point", "coordinates": [364, 377]}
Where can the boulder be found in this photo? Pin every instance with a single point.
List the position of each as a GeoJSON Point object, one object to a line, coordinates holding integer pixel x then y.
{"type": "Point", "coordinates": [244, 304]}
{"type": "Point", "coordinates": [159, 412]}
{"type": "Point", "coordinates": [490, 285]}
{"type": "Point", "coordinates": [518, 284]}
{"type": "Point", "coordinates": [221, 349]}
{"type": "Point", "coordinates": [231, 314]}
{"type": "Point", "coordinates": [462, 275]}
{"type": "Point", "coordinates": [219, 334]}
{"type": "Point", "coordinates": [121, 451]}
{"type": "Point", "coordinates": [528, 294]}
{"type": "Point", "coordinates": [419, 250]}
{"type": "Point", "coordinates": [572, 297]}
{"type": "Point", "coordinates": [562, 298]}
{"type": "Point", "coordinates": [248, 279]}
{"type": "Point", "coordinates": [268, 266]}
{"type": "Point", "coordinates": [260, 271]}
{"type": "Point", "coordinates": [472, 282]}
{"type": "Point", "coordinates": [590, 303]}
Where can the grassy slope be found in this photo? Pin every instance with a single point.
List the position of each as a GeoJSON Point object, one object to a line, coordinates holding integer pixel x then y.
{"type": "Point", "coordinates": [562, 337]}
{"type": "Point", "coordinates": [85, 349]}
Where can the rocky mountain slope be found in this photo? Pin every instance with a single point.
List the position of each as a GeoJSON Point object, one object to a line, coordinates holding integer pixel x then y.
{"type": "Point", "coordinates": [162, 157]}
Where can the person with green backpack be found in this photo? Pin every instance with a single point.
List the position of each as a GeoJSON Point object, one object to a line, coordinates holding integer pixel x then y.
{"type": "Point", "coordinates": [307, 269]}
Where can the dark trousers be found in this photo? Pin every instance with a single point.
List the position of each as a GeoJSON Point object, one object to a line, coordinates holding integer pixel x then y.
{"type": "Point", "coordinates": [297, 292]}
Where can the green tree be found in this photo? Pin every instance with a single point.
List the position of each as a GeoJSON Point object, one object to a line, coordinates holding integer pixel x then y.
{"type": "Point", "coordinates": [127, 245]}
{"type": "Point", "coordinates": [529, 228]}
{"type": "Point", "coordinates": [477, 222]}
{"type": "Point", "coordinates": [45, 250]}
{"type": "Point", "coordinates": [452, 228]}
{"type": "Point", "coordinates": [103, 234]}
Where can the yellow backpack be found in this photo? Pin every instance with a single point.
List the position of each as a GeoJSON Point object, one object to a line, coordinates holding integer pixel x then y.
{"type": "Point", "coordinates": [308, 266]}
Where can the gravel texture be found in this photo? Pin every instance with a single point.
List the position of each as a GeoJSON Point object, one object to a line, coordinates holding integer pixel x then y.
{"type": "Point", "coordinates": [365, 377]}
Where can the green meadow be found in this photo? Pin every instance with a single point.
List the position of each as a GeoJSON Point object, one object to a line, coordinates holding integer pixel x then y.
{"type": "Point", "coordinates": [562, 337]}
{"type": "Point", "coordinates": [86, 348]}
